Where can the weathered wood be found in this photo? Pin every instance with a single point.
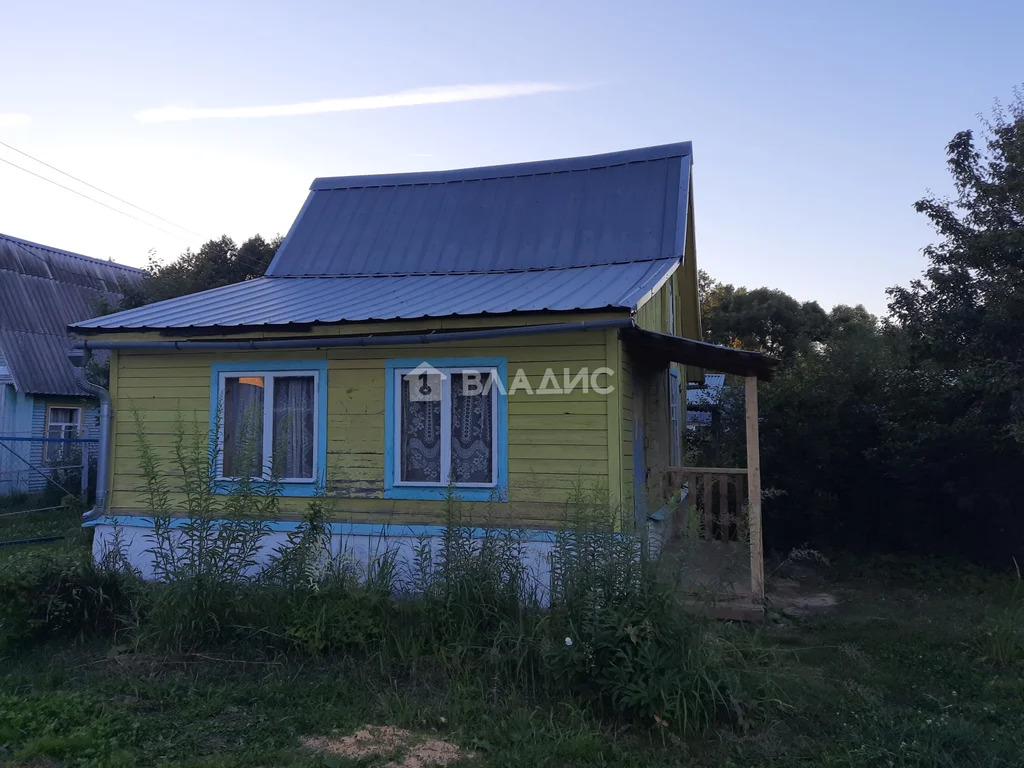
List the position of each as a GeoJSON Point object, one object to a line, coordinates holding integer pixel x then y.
{"type": "Point", "coordinates": [709, 531]}
{"type": "Point", "coordinates": [754, 484]}
{"type": "Point", "coordinates": [724, 516]}
{"type": "Point", "coordinates": [713, 470]}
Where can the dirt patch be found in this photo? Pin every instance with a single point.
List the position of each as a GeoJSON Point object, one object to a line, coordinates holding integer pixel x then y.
{"type": "Point", "coordinates": [406, 749]}
{"type": "Point", "coordinates": [799, 599]}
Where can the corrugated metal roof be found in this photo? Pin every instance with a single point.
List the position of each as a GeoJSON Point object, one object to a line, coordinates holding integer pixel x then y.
{"type": "Point", "coordinates": [560, 235]}
{"type": "Point", "coordinates": [42, 291]}
{"type": "Point", "coordinates": [306, 300]}
{"type": "Point", "coordinates": [603, 209]}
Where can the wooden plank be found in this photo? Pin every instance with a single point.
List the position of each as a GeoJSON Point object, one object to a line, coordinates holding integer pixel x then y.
{"type": "Point", "coordinates": [754, 484]}
{"type": "Point", "coordinates": [714, 470]}
{"type": "Point", "coordinates": [709, 531]}
{"type": "Point", "coordinates": [724, 516]}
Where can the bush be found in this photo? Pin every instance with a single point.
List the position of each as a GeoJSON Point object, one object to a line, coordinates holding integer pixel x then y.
{"type": "Point", "coordinates": [607, 632]}
{"type": "Point", "coordinates": [60, 594]}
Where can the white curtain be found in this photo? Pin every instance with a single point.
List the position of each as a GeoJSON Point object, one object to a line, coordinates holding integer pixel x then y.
{"type": "Point", "coordinates": [472, 432]}
{"type": "Point", "coordinates": [421, 434]}
{"type": "Point", "coordinates": [243, 426]}
{"type": "Point", "coordinates": [293, 426]}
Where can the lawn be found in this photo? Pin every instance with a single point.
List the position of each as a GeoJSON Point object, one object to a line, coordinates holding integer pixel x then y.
{"type": "Point", "coordinates": [895, 676]}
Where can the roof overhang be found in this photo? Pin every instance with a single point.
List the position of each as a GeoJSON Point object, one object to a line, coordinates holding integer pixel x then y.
{"type": "Point", "coordinates": [662, 348]}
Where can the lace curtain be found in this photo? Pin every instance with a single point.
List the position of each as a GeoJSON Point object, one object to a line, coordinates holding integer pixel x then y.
{"type": "Point", "coordinates": [243, 426]}
{"type": "Point", "coordinates": [293, 426]}
{"type": "Point", "coordinates": [472, 425]}
{"type": "Point", "coordinates": [421, 434]}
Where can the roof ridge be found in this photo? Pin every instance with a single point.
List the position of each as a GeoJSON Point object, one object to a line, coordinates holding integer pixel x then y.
{"type": "Point", "coordinates": [49, 248]}
{"type": "Point", "coordinates": [507, 170]}
{"type": "Point", "coordinates": [447, 273]}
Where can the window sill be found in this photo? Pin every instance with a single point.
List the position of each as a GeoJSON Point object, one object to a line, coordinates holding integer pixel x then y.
{"type": "Point", "coordinates": [439, 493]}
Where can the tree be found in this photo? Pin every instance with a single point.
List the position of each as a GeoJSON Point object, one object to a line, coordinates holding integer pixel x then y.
{"type": "Point", "coordinates": [965, 313]}
{"type": "Point", "coordinates": [217, 262]}
{"type": "Point", "coordinates": [764, 319]}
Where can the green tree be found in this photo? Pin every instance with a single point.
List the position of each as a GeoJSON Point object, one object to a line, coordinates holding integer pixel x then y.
{"type": "Point", "coordinates": [965, 314]}
{"type": "Point", "coordinates": [764, 319]}
{"type": "Point", "coordinates": [217, 262]}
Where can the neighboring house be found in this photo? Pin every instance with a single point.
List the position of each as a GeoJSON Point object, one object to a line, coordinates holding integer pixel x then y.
{"type": "Point", "coordinates": [514, 331]}
{"type": "Point", "coordinates": [703, 400]}
{"type": "Point", "coordinates": [42, 290]}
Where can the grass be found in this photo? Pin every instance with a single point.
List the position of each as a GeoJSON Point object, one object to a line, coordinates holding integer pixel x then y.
{"type": "Point", "coordinates": [18, 525]}
{"type": "Point", "coordinates": [897, 675]}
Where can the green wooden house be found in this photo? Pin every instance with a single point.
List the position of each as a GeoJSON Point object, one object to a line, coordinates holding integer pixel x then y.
{"type": "Point", "coordinates": [509, 332]}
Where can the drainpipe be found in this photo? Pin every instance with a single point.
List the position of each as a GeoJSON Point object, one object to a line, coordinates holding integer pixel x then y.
{"type": "Point", "coordinates": [79, 359]}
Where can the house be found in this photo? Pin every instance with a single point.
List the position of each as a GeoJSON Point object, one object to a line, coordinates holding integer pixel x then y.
{"type": "Point", "coordinates": [703, 399]}
{"type": "Point", "coordinates": [513, 331]}
{"type": "Point", "coordinates": [42, 290]}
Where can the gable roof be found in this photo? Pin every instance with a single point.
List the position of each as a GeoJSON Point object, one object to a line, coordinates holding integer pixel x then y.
{"type": "Point", "coordinates": [42, 291]}
{"type": "Point", "coordinates": [586, 233]}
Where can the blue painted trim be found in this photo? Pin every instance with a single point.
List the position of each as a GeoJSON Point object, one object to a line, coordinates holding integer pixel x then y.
{"type": "Point", "coordinates": [377, 530]}
{"type": "Point", "coordinates": [304, 489]}
{"type": "Point", "coordinates": [391, 491]}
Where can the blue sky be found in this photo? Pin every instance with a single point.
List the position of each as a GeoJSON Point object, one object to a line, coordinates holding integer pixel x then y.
{"type": "Point", "coordinates": [815, 125]}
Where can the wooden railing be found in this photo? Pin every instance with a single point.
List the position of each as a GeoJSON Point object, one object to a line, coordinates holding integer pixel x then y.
{"type": "Point", "coordinates": [714, 501]}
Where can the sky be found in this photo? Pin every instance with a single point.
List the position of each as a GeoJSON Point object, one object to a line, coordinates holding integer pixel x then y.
{"type": "Point", "coordinates": [815, 126]}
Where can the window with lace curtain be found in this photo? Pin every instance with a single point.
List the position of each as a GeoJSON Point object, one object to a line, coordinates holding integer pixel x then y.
{"type": "Point", "coordinates": [446, 427]}
{"type": "Point", "coordinates": [269, 423]}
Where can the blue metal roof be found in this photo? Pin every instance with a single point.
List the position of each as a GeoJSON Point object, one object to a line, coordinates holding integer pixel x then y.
{"type": "Point", "coordinates": [585, 233]}
{"type": "Point", "coordinates": [42, 289]}
{"type": "Point", "coordinates": [269, 301]}
{"type": "Point", "coordinates": [603, 209]}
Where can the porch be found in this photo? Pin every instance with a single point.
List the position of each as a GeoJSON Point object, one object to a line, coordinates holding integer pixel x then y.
{"type": "Point", "coordinates": [714, 512]}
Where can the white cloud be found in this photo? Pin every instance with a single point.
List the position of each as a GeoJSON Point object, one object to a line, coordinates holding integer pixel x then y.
{"type": "Point", "coordinates": [448, 94]}
{"type": "Point", "coordinates": [14, 119]}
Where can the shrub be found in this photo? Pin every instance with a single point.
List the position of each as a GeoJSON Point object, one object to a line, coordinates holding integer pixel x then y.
{"type": "Point", "coordinates": [60, 593]}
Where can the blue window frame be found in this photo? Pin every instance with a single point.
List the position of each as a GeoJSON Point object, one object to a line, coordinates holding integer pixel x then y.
{"type": "Point", "coordinates": [270, 377]}
{"type": "Point", "coordinates": [437, 392]}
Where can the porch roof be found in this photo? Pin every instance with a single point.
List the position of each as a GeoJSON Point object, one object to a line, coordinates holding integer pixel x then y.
{"type": "Point", "coordinates": [663, 347]}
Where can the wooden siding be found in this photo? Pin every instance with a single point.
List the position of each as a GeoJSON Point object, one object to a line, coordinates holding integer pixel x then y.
{"type": "Point", "coordinates": [555, 440]}
{"type": "Point", "coordinates": [625, 377]}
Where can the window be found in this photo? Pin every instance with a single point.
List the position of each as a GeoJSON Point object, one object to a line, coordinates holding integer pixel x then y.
{"type": "Point", "coordinates": [271, 422]}
{"type": "Point", "coordinates": [446, 424]}
{"type": "Point", "coordinates": [63, 422]}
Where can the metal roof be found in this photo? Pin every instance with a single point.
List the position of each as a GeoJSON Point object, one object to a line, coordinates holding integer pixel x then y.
{"type": "Point", "coordinates": [581, 233]}
{"type": "Point", "coordinates": [584, 211]}
{"type": "Point", "coordinates": [664, 347]}
{"type": "Point", "coordinates": [42, 290]}
{"type": "Point", "coordinates": [306, 300]}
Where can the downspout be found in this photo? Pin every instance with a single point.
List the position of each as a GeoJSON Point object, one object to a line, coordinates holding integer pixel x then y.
{"type": "Point", "coordinates": [79, 359]}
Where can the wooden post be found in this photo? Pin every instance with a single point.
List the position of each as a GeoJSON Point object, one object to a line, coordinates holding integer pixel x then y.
{"type": "Point", "coordinates": [754, 491]}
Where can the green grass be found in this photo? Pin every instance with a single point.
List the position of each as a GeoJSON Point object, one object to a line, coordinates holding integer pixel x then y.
{"type": "Point", "coordinates": [896, 676]}
{"type": "Point", "coordinates": [62, 521]}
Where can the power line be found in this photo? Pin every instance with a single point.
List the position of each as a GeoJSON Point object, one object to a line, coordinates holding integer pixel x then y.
{"type": "Point", "coordinates": [93, 186]}
{"type": "Point", "coordinates": [92, 199]}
